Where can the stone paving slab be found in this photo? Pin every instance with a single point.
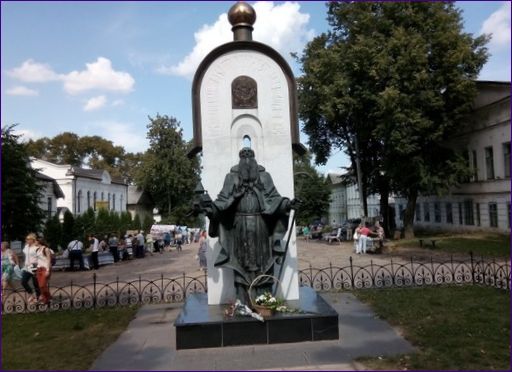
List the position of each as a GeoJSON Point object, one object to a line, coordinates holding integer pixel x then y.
{"type": "Point", "coordinates": [149, 344]}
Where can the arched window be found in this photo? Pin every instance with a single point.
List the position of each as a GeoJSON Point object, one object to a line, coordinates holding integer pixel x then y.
{"type": "Point", "coordinates": [246, 141]}
{"type": "Point", "coordinates": [109, 201]}
{"type": "Point", "coordinates": [79, 201]}
{"type": "Point", "coordinates": [121, 203]}
{"type": "Point", "coordinates": [88, 199]}
{"type": "Point", "coordinates": [94, 198]}
{"type": "Point", "coordinates": [114, 201]}
{"type": "Point", "coordinates": [102, 196]}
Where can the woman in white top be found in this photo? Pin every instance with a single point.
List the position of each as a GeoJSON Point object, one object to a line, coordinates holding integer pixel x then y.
{"type": "Point", "coordinates": [44, 265]}
{"type": "Point", "coordinates": [29, 270]}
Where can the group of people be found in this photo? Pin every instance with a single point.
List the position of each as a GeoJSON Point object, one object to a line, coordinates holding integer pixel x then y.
{"type": "Point", "coordinates": [36, 269]}
{"type": "Point", "coordinates": [363, 234]}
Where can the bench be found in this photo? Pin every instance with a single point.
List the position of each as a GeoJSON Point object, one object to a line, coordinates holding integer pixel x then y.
{"type": "Point", "coordinates": [431, 242]}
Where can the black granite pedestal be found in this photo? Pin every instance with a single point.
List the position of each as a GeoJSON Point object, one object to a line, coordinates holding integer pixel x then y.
{"type": "Point", "coordinates": [200, 325]}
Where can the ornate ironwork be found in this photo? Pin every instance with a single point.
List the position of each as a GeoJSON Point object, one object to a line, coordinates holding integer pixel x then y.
{"type": "Point", "coordinates": [174, 290]}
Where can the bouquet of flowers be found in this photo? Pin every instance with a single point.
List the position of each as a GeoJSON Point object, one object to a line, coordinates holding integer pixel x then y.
{"type": "Point", "coordinates": [267, 300]}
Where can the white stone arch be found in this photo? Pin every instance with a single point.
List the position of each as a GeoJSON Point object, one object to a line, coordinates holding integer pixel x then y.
{"type": "Point", "coordinates": [246, 125]}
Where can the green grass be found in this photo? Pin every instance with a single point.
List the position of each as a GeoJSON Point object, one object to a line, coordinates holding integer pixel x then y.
{"type": "Point", "coordinates": [456, 328]}
{"type": "Point", "coordinates": [60, 340]}
{"type": "Point", "coordinates": [481, 245]}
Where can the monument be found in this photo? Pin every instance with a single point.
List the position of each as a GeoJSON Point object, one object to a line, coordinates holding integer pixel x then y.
{"type": "Point", "coordinates": [246, 130]}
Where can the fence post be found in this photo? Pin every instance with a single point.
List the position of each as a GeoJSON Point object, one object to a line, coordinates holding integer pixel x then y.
{"type": "Point", "coordinates": [413, 273]}
{"type": "Point", "coordinates": [162, 287]}
{"type": "Point", "coordinates": [351, 272]}
{"type": "Point", "coordinates": [330, 275]}
{"type": "Point", "coordinates": [472, 267]}
{"type": "Point", "coordinates": [451, 268]}
{"type": "Point", "coordinates": [184, 287]}
{"type": "Point", "coordinates": [94, 290]}
{"type": "Point", "coordinates": [140, 290]}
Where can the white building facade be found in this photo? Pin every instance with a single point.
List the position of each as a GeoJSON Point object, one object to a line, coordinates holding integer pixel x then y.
{"type": "Point", "coordinates": [482, 202]}
{"type": "Point", "coordinates": [50, 193]}
{"type": "Point", "coordinates": [85, 188]}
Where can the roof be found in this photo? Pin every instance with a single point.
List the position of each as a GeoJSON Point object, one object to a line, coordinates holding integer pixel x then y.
{"type": "Point", "coordinates": [334, 178]}
{"type": "Point", "coordinates": [96, 174]}
{"type": "Point", "coordinates": [138, 196]}
{"type": "Point", "coordinates": [57, 191]}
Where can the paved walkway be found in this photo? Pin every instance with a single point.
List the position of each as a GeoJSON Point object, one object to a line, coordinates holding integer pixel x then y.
{"type": "Point", "coordinates": [149, 344]}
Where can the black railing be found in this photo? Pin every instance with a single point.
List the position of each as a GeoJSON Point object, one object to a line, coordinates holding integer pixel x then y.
{"type": "Point", "coordinates": [175, 290]}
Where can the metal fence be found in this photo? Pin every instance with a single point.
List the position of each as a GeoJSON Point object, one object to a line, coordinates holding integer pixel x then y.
{"type": "Point", "coordinates": [172, 290]}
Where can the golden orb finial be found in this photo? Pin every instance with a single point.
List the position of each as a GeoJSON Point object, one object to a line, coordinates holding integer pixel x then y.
{"type": "Point", "coordinates": [242, 16]}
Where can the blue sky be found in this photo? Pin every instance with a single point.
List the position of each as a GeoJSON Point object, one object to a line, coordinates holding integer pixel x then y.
{"type": "Point", "coordinates": [100, 68]}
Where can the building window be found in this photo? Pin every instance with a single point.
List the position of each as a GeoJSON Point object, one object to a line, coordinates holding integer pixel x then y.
{"type": "Point", "coordinates": [94, 198]}
{"type": "Point", "coordinates": [506, 159]}
{"type": "Point", "coordinates": [426, 212]}
{"type": "Point", "coordinates": [489, 163]}
{"type": "Point", "coordinates": [475, 167]}
{"type": "Point", "coordinates": [478, 222]}
{"type": "Point", "coordinates": [49, 208]}
{"type": "Point", "coordinates": [418, 212]}
{"type": "Point", "coordinates": [460, 213]}
{"type": "Point", "coordinates": [468, 212]}
{"type": "Point", "coordinates": [437, 212]}
{"type": "Point", "coordinates": [114, 201]}
{"type": "Point", "coordinates": [79, 202]}
{"type": "Point", "coordinates": [109, 201]}
{"type": "Point", "coordinates": [102, 196]}
{"type": "Point", "coordinates": [493, 215]}
{"type": "Point", "coordinates": [121, 203]}
{"type": "Point", "coordinates": [401, 212]}
{"type": "Point", "coordinates": [88, 199]}
{"type": "Point", "coordinates": [449, 213]}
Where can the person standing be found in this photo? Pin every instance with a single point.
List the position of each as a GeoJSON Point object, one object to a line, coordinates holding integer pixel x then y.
{"type": "Point", "coordinates": [95, 247]}
{"type": "Point", "coordinates": [112, 246]}
{"type": "Point", "coordinates": [149, 243]}
{"type": "Point", "coordinates": [178, 240]}
{"type": "Point", "coordinates": [364, 233]}
{"type": "Point", "coordinates": [30, 267]}
{"type": "Point", "coordinates": [43, 257]}
{"type": "Point", "coordinates": [201, 253]}
{"type": "Point", "coordinates": [75, 248]}
{"type": "Point", "coordinates": [9, 260]}
{"type": "Point", "coordinates": [139, 253]}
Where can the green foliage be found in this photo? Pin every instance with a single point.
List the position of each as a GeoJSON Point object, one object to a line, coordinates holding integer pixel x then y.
{"type": "Point", "coordinates": [104, 224]}
{"type": "Point", "coordinates": [91, 151]}
{"type": "Point", "coordinates": [68, 231]}
{"type": "Point", "coordinates": [136, 224]}
{"type": "Point", "coordinates": [166, 173]}
{"type": "Point", "coordinates": [147, 223]}
{"type": "Point", "coordinates": [311, 189]}
{"type": "Point", "coordinates": [53, 232]}
{"type": "Point", "coordinates": [454, 328]}
{"type": "Point", "coordinates": [20, 189]}
{"type": "Point", "coordinates": [125, 222]}
{"type": "Point", "coordinates": [396, 79]}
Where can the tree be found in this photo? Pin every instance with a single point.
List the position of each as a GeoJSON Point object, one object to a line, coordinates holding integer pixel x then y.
{"type": "Point", "coordinates": [311, 190]}
{"type": "Point", "coordinates": [136, 223]}
{"type": "Point", "coordinates": [21, 191]}
{"type": "Point", "coordinates": [167, 174]}
{"type": "Point", "coordinates": [68, 231]}
{"type": "Point", "coordinates": [394, 80]}
{"type": "Point", "coordinates": [147, 223]}
{"type": "Point", "coordinates": [53, 232]}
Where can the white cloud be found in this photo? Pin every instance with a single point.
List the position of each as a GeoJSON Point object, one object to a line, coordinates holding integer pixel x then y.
{"type": "Point", "coordinates": [282, 26]}
{"type": "Point", "coordinates": [21, 91]}
{"type": "Point", "coordinates": [95, 103]}
{"type": "Point", "coordinates": [498, 24]}
{"type": "Point", "coordinates": [27, 134]}
{"type": "Point", "coordinates": [33, 72]}
{"type": "Point", "coordinates": [98, 75]}
{"type": "Point", "coordinates": [131, 136]}
{"type": "Point", "coordinates": [117, 102]}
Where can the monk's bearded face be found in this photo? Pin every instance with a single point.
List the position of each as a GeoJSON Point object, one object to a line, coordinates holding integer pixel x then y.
{"type": "Point", "coordinates": [248, 168]}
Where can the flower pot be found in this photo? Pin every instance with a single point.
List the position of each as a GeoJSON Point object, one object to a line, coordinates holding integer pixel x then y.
{"type": "Point", "coordinates": [264, 311]}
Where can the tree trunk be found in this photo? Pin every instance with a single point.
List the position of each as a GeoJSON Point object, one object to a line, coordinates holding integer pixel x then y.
{"type": "Point", "coordinates": [409, 214]}
{"type": "Point", "coordinates": [384, 206]}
